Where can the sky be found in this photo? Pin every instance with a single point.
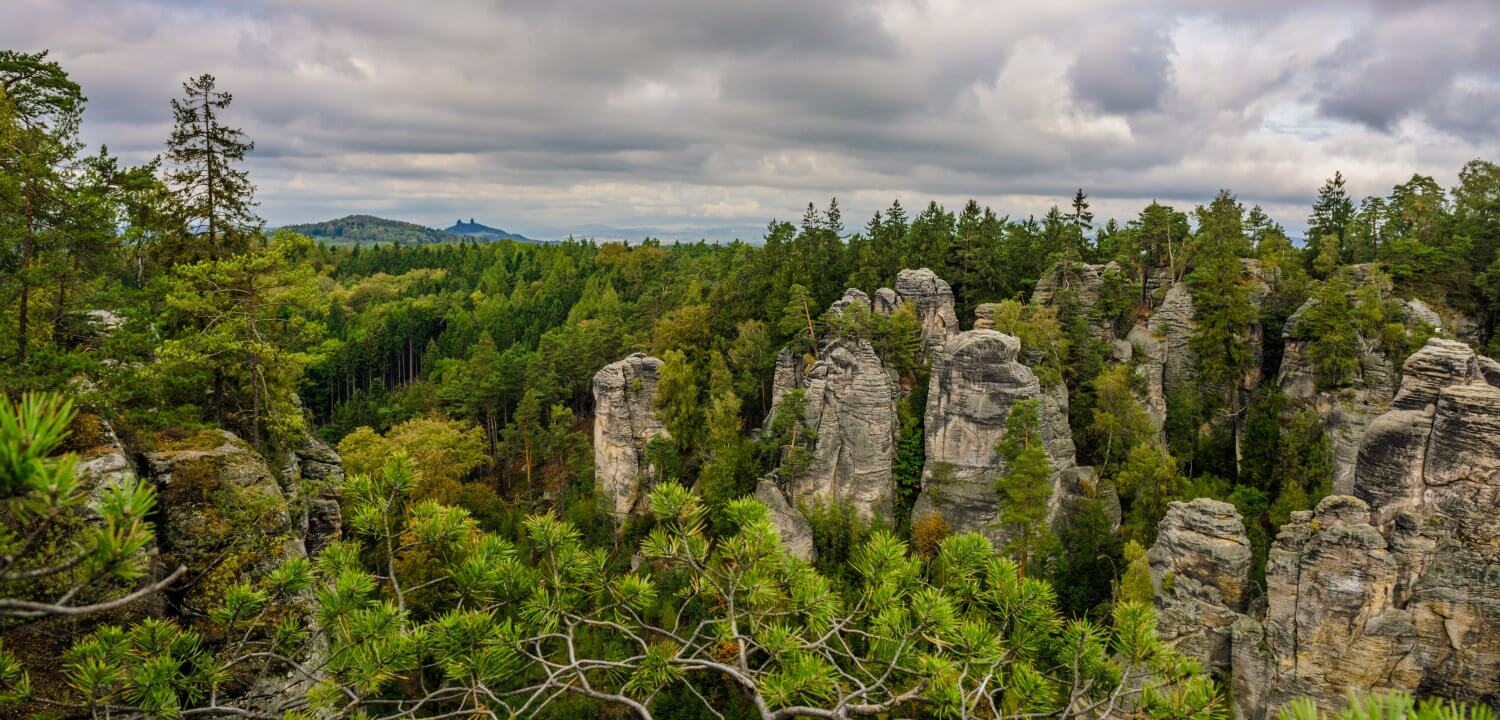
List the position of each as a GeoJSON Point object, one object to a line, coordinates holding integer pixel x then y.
{"type": "Point", "coordinates": [689, 118]}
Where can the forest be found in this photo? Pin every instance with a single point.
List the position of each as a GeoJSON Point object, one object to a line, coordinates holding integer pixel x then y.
{"type": "Point", "coordinates": [189, 399]}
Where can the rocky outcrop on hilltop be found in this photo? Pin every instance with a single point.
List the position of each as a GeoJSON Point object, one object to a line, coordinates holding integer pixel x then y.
{"type": "Point", "coordinates": [851, 406]}
{"type": "Point", "coordinates": [1393, 587]}
{"type": "Point", "coordinates": [932, 300]}
{"type": "Point", "coordinates": [624, 421]}
{"type": "Point", "coordinates": [1200, 566]}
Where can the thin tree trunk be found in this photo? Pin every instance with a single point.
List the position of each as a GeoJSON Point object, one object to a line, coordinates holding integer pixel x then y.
{"type": "Point", "coordinates": [28, 248]}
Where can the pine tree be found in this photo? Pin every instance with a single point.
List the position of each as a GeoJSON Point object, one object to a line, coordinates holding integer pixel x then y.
{"type": "Point", "coordinates": [40, 112]}
{"type": "Point", "coordinates": [215, 198]}
{"type": "Point", "coordinates": [246, 321]}
{"type": "Point", "coordinates": [1221, 301]}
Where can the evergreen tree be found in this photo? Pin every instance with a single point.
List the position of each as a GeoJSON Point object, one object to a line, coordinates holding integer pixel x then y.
{"type": "Point", "coordinates": [1223, 312]}
{"type": "Point", "coordinates": [40, 112]}
{"type": "Point", "coordinates": [246, 323]}
{"type": "Point", "coordinates": [1025, 485]}
{"type": "Point", "coordinates": [215, 198]}
{"type": "Point", "coordinates": [1150, 480]}
{"type": "Point", "coordinates": [1331, 214]}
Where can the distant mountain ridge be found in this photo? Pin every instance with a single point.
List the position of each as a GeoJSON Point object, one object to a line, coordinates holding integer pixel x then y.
{"type": "Point", "coordinates": [372, 230]}
{"type": "Point", "coordinates": [479, 230]}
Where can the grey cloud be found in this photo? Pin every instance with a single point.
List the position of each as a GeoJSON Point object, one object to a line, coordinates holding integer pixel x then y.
{"type": "Point", "coordinates": [570, 113]}
{"type": "Point", "coordinates": [1125, 71]}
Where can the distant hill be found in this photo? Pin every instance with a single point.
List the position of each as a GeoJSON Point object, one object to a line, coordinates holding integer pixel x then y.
{"type": "Point", "coordinates": [484, 232]}
{"type": "Point", "coordinates": [370, 230]}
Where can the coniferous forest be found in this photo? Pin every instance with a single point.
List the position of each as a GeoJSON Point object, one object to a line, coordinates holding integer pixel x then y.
{"type": "Point", "coordinates": [940, 462]}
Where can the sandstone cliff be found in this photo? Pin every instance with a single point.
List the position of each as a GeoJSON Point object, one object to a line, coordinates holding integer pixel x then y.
{"type": "Point", "coordinates": [932, 300]}
{"type": "Point", "coordinates": [851, 406]}
{"type": "Point", "coordinates": [624, 421]}
{"type": "Point", "coordinates": [974, 383]}
{"type": "Point", "coordinates": [1392, 588]}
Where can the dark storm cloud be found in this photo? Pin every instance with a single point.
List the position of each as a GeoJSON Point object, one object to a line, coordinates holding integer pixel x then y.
{"type": "Point", "coordinates": [555, 115]}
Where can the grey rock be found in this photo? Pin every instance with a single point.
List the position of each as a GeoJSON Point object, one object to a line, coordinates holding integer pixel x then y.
{"type": "Point", "coordinates": [851, 406]}
{"type": "Point", "coordinates": [984, 316]}
{"type": "Point", "coordinates": [974, 383]}
{"type": "Point", "coordinates": [885, 301]}
{"type": "Point", "coordinates": [1200, 568]}
{"type": "Point", "coordinates": [787, 377]}
{"type": "Point", "coordinates": [1437, 365]}
{"type": "Point", "coordinates": [852, 296]}
{"type": "Point", "coordinates": [932, 299]}
{"type": "Point", "coordinates": [795, 531]}
{"type": "Point", "coordinates": [1345, 412]}
{"type": "Point", "coordinates": [624, 421]}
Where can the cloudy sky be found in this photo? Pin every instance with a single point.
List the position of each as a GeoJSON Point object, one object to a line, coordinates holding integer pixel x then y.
{"type": "Point", "coordinates": [689, 117]}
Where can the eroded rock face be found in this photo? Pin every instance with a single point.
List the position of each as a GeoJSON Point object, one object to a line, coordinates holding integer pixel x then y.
{"type": "Point", "coordinates": [624, 421]}
{"type": "Point", "coordinates": [223, 514]}
{"type": "Point", "coordinates": [1346, 412]}
{"type": "Point", "coordinates": [796, 532]}
{"type": "Point", "coordinates": [1331, 623]}
{"type": "Point", "coordinates": [1393, 588]}
{"type": "Point", "coordinates": [975, 381]}
{"type": "Point", "coordinates": [787, 377]}
{"type": "Point", "coordinates": [851, 405]}
{"type": "Point", "coordinates": [1165, 363]}
{"type": "Point", "coordinates": [1200, 566]}
{"type": "Point", "coordinates": [320, 471]}
{"type": "Point", "coordinates": [885, 301]}
{"type": "Point", "coordinates": [932, 299]}
{"type": "Point", "coordinates": [1086, 280]}
{"type": "Point", "coordinates": [852, 296]}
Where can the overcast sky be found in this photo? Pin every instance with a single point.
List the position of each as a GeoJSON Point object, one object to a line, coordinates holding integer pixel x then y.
{"type": "Point", "coordinates": [690, 117]}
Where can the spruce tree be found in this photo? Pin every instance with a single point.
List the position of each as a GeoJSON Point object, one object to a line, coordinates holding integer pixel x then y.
{"type": "Point", "coordinates": [1330, 217]}
{"type": "Point", "coordinates": [1026, 484]}
{"type": "Point", "coordinates": [215, 197]}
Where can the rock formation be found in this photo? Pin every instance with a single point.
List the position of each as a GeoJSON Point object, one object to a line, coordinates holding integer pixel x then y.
{"type": "Point", "coordinates": [852, 296]}
{"type": "Point", "coordinates": [624, 421]}
{"type": "Point", "coordinates": [1199, 569]}
{"type": "Point", "coordinates": [851, 406]}
{"type": "Point", "coordinates": [1345, 411]}
{"type": "Point", "coordinates": [932, 299]}
{"type": "Point", "coordinates": [796, 532]}
{"type": "Point", "coordinates": [320, 471]}
{"type": "Point", "coordinates": [788, 376]}
{"type": "Point", "coordinates": [975, 381]}
{"type": "Point", "coordinates": [1392, 588]}
{"type": "Point", "coordinates": [222, 513]}
{"type": "Point", "coordinates": [1161, 348]}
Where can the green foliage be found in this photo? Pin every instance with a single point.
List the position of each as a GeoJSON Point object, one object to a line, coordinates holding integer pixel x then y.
{"type": "Point", "coordinates": [1083, 566]}
{"type": "Point", "coordinates": [1025, 485]}
{"type": "Point", "coordinates": [248, 321]}
{"type": "Point", "coordinates": [1149, 480]}
{"type": "Point", "coordinates": [1385, 706]}
{"type": "Point", "coordinates": [676, 401]}
{"type": "Point", "coordinates": [1135, 583]}
{"type": "Point", "coordinates": [1330, 332]}
{"type": "Point", "coordinates": [49, 560]}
